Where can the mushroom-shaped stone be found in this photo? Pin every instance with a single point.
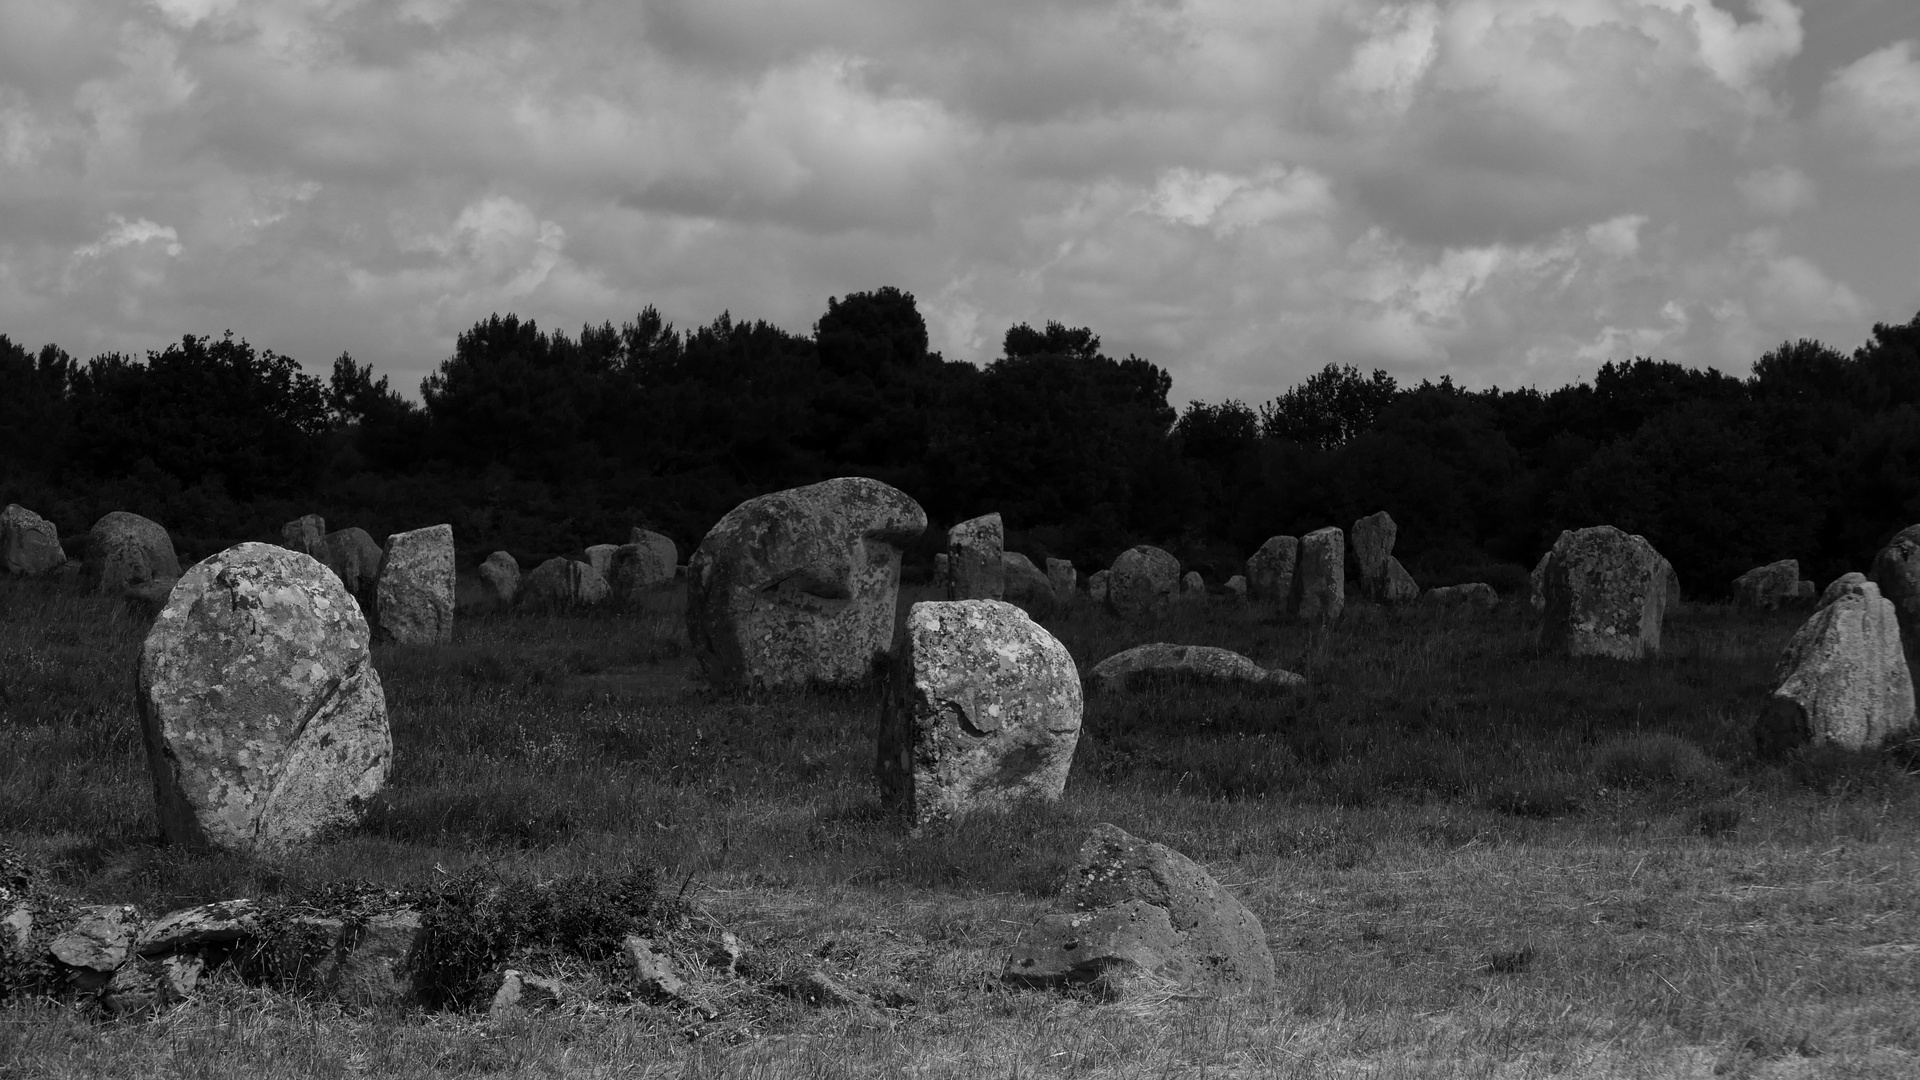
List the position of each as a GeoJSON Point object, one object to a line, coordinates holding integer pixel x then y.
{"type": "Point", "coordinates": [1768, 587]}
{"type": "Point", "coordinates": [126, 549]}
{"type": "Point", "coordinates": [562, 583]}
{"type": "Point", "coordinates": [1843, 677]}
{"type": "Point", "coordinates": [264, 719]}
{"type": "Point", "coordinates": [1142, 582]}
{"type": "Point", "coordinates": [982, 710]}
{"type": "Point", "coordinates": [1194, 663]}
{"type": "Point", "coordinates": [1320, 579]}
{"type": "Point", "coordinates": [501, 575]}
{"type": "Point", "coordinates": [307, 535]}
{"type": "Point", "coordinates": [976, 559]}
{"type": "Point", "coordinates": [413, 594]}
{"type": "Point", "coordinates": [1138, 910]}
{"type": "Point", "coordinates": [1026, 585]}
{"type": "Point", "coordinates": [1270, 570]}
{"type": "Point", "coordinates": [800, 586]}
{"type": "Point", "coordinates": [29, 543]}
{"type": "Point", "coordinates": [1605, 593]}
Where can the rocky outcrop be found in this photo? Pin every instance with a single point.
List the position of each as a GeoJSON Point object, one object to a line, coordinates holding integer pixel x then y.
{"type": "Point", "coordinates": [800, 586]}
{"type": "Point", "coordinates": [1139, 914]}
{"type": "Point", "coordinates": [1320, 579]}
{"type": "Point", "coordinates": [264, 719]}
{"type": "Point", "coordinates": [126, 549]}
{"type": "Point", "coordinates": [1270, 570]}
{"type": "Point", "coordinates": [1478, 595]}
{"type": "Point", "coordinates": [1186, 663]}
{"type": "Point", "coordinates": [1769, 587]}
{"type": "Point", "coordinates": [501, 576]}
{"type": "Point", "coordinates": [982, 710]}
{"type": "Point", "coordinates": [1026, 585]}
{"type": "Point", "coordinates": [1843, 678]}
{"type": "Point", "coordinates": [976, 559]}
{"type": "Point", "coordinates": [1605, 594]}
{"type": "Point", "coordinates": [562, 583]}
{"type": "Point", "coordinates": [306, 535]}
{"type": "Point", "coordinates": [413, 593]}
{"type": "Point", "coordinates": [1142, 582]}
{"type": "Point", "coordinates": [29, 543]}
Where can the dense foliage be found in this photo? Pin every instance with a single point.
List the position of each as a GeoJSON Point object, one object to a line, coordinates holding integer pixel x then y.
{"type": "Point", "coordinates": [540, 443]}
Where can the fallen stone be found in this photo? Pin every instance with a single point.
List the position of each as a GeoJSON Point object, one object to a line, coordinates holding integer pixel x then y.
{"type": "Point", "coordinates": [1142, 582]}
{"type": "Point", "coordinates": [1768, 587]}
{"type": "Point", "coordinates": [501, 575]}
{"type": "Point", "coordinates": [982, 710]}
{"type": "Point", "coordinates": [976, 559]}
{"type": "Point", "coordinates": [264, 718]}
{"type": "Point", "coordinates": [651, 971]}
{"type": "Point", "coordinates": [523, 992]}
{"type": "Point", "coordinates": [563, 583]}
{"type": "Point", "coordinates": [414, 589]}
{"type": "Point", "coordinates": [29, 543]}
{"type": "Point", "coordinates": [218, 924]}
{"type": "Point", "coordinates": [1197, 663]}
{"type": "Point", "coordinates": [95, 946]}
{"type": "Point", "coordinates": [1605, 595]}
{"type": "Point", "coordinates": [1476, 594]}
{"type": "Point", "coordinates": [1843, 677]}
{"type": "Point", "coordinates": [126, 549]}
{"type": "Point", "coordinates": [1320, 579]}
{"type": "Point", "coordinates": [1270, 570]}
{"type": "Point", "coordinates": [801, 587]}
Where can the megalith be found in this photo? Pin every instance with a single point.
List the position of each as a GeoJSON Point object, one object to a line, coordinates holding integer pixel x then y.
{"type": "Point", "coordinates": [1097, 585]}
{"type": "Point", "coordinates": [641, 566]}
{"type": "Point", "coordinates": [1843, 677]}
{"type": "Point", "coordinates": [1605, 594]}
{"type": "Point", "coordinates": [501, 576]}
{"type": "Point", "coordinates": [264, 719]}
{"type": "Point", "coordinates": [563, 583]}
{"type": "Point", "coordinates": [1270, 570]}
{"type": "Point", "coordinates": [976, 559]}
{"type": "Point", "coordinates": [1064, 579]}
{"type": "Point", "coordinates": [1026, 585]}
{"type": "Point", "coordinates": [125, 550]}
{"type": "Point", "coordinates": [800, 586]}
{"type": "Point", "coordinates": [664, 553]}
{"type": "Point", "coordinates": [307, 535]}
{"type": "Point", "coordinates": [354, 558]}
{"type": "Point", "coordinates": [1477, 594]}
{"type": "Point", "coordinates": [1142, 581]}
{"type": "Point", "coordinates": [413, 592]}
{"type": "Point", "coordinates": [1774, 585]}
{"type": "Point", "coordinates": [29, 543]}
{"type": "Point", "coordinates": [982, 710]}
{"type": "Point", "coordinates": [1184, 663]}
{"type": "Point", "coordinates": [1373, 538]}
{"type": "Point", "coordinates": [1896, 570]}
{"type": "Point", "coordinates": [600, 557]}
{"type": "Point", "coordinates": [1320, 579]}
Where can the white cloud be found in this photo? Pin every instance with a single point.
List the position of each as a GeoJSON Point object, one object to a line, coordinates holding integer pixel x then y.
{"type": "Point", "coordinates": [1876, 101]}
{"type": "Point", "coordinates": [1229, 203]}
{"type": "Point", "coordinates": [126, 233]}
{"type": "Point", "coordinates": [1776, 191]}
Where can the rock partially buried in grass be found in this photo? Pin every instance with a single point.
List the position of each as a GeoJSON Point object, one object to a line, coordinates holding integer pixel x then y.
{"type": "Point", "coordinates": [1141, 913]}
{"type": "Point", "coordinates": [1844, 677]}
{"type": "Point", "coordinates": [1605, 593]}
{"type": "Point", "coordinates": [800, 586]}
{"type": "Point", "coordinates": [414, 590]}
{"type": "Point", "coordinates": [126, 549]}
{"type": "Point", "coordinates": [264, 719]}
{"type": "Point", "coordinates": [982, 711]}
{"type": "Point", "coordinates": [1197, 663]}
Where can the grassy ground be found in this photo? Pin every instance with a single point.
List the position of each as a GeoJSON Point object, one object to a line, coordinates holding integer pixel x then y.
{"type": "Point", "coordinates": [1470, 858]}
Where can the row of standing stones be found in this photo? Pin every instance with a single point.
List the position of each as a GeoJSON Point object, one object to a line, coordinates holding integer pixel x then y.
{"type": "Point", "coordinates": [266, 725]}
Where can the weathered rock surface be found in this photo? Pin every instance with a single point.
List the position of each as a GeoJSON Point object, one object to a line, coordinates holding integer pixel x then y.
{"type": "Point", "coordinates": [1097, 586]}
{"type": "Point", "coordinates": [501, 575]}
{"type": "Point", "coordinates": [801, 586]}
{"type": "Point", "coordinates": [1896, 570]}
{"type": "Point", "coordinates": [600, 557]}
{"type": "Point", "coordinates": [1396, 586]}
{"type": "Point", "coordinates": [1140, 911]}
{"type": "Point", "coordinates": [95, 946]}
{"type": "Point", "coordinates": [1537, 597]}
{"type": "Point", "coordinates": [220, 923]}
{"type": "Point", "coordinates": [1843, 678]}
{"type": "Point", "coordinates": [641, 567]}
{"type": "Point", "coordinates": [29, 543]}
{"type": "Point", "coordinates": [1768, 587]}
{"type": "Point", "coordinates": [1064, 579]}
{"type": "Point", "coordinates": [1270, 570]}
{"type": "Point", "coordinates": [264, 719]}
{"type": "Point", "coordinates": [1605, 593]}
{"type": "Point", "coordinates": [413, 593]}
{"type": "Point", "coordinates": [1673, 587]}
{"type": "Point", "coordinates": [982, 710]}
{"type": "Point", "coordinates": [522, 991]}
{"type": "Point", "coordinates": [354, 558]}
{"type": "Point", "coordinates": [663, 556]}
{"type": "Point", "coordinates": [1237, 585]}
{"type": "Point", "coordinates": [942, 570]}
{"type": "Point", "coordinates": [143, 602]}
{"type": "Point", "coordinates": [1198, 663]}
{"type": "Point", "coordinates": [1373, 538]}
{"type": "Point", "coordinates": [307, 535]}
{"type": "Point", "coordinates": [562, 583]}
{"type": "Point", "coordinates": [1142, 582]}
{"type": "Point", "coordinates": [1026, 585]}
{"type": "Point", "coordinates": [1320, 579]}
{"type": "Point", "coordinates": [976, 559]}
{"type": "Point", "coordinates": [126, 549]}
{"type": "Point", "coordinates": [1193, 586]}
{"type": "Point", "coordinates": [1476, 594]}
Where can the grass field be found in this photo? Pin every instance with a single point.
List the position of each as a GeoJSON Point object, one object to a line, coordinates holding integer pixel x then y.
{"type": "Point", "coordinates": [1471, 858]}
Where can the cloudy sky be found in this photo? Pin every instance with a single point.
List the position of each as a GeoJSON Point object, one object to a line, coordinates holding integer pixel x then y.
{"type": "Point", "coordinates": [1510, 191]}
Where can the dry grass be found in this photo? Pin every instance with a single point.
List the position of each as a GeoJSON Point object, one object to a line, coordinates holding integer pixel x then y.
{"type": "Point", "coordinates": [1470, 858]}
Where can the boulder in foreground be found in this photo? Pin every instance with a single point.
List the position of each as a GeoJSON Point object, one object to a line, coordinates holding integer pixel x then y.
{"type": "Point", "coordinates": [1196, 663]}
{"type": "Point", "coordinates": [1843, 678]}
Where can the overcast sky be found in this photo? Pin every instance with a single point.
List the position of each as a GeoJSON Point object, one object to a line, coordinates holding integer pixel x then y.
{"type": "Point", "coordinates": [1510, 191]}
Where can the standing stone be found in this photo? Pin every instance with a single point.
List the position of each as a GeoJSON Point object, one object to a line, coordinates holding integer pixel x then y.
{"type": "Point", "coordinates": [29, 543]}
{"type": "Point", "coordinates": [640, 568]}
{"type": "Point", "coordinates": [976, 551]}
{"type": "Point", "coordinates": [1097, 586]}
{"type": "Point", "coordinates": [982, 710]}
{"type": "Point", "coordinates": [1396, 585]}
{"type": "Point", "coordinates": [1270, 570]}
{"type": "Point", "coordinates": [801, 586]}
{"type": "Point", "coordinates": [1133, 910]}
{"type": "Point", "coordinates": [1237, 585]}
{"type": "Point", "coordinates": [1673, 587]}
{"type": "Point", "coordinates": [1768, 587]}
{"type": "Point", "coordinates": [664, 553]}
{"type": "Point", "coordinates": [1605, 594]}
{"type": "Point", "coordinates": [1844, 677]}
{"type": "Point", "coordinates": [942, 570]}
{"type": "Point", "coordinates": [563, 583]}
{"type": "Point", "coordinates": [1193, 586]}
{"type": "Point", "coordinates": [501, 575]}
{"type": "Point", "coordinates": [600, 557]}
{"type": "Point", "coordinates": [1896, 570]}
{"type": "Point", "coordinates": [1320, 581]}
{"type": "Point", "coordinates": [1064, 579]}
{"type": "Point", "coordinates": [1026, 585]}
{"type": "Point", "coordinates": [306, 535]}
{"type": "Point", "coordinates": [355, 559]}
{"type": "Point", "coordinates": [1373, 538]}
{"type": "Point", "coordinates": [1142, 582]}
{"type": "Point", "coordinates": [264, 719]}
{"type": "Point", "coordinates": [413, 592]}
{"type": "Point", "coordinates": [1537, 591]}
{"type": "Point", "coordinates": [125, 550]}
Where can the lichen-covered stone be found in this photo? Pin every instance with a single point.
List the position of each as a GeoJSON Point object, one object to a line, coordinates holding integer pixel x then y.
{"type": "Point", "coordinates": [1373, 538]}
{"type": "Point", "coordinates": [1605, 594]}
{"type": "Point", "coordinates": [264, 719]}
{"type": "Point", "coordinates": [561, 583]}
{"type": "Point", "coordinates": [1026, 585]}
{"type": "Point", "coordinates": [1270, 570]}
{"type": "Point", "coordinates": [982, 710]}
{"type": "Point", "coordinates": [1136, 910]}
{"type": "Point", "coordinates": [1199, 663]}
{"type": "Point", "coordinates": [1843, 677]}
{"type": "Point", "coordinates": [413, 594]}
{"type": "Point", "coordinates": [220, 923]}
{"type": "Point", "coordinates": [29, 543]}
{"type": "Point", "coordinates": [1142, 582]}
{"type": "Point", "coordinates": [501, 575]}
{"type": "Point", "coordinates": [95, 946]}
{"type": "Point", "coordinates": [307, 535]}
{"type": "Point", "coordinates": [801, 586]}
{"type": "Point", "coordinates": [976, 559]}
{"type": "Point", "coordinates": [126, 549]}
{"type": "Point", "coordinates": [1320, 579]}
{"type": "Point", "coordinates": [1768, 587]}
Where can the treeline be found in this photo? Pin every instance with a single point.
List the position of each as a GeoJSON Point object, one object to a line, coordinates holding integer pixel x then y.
{"type": "Point", "coordinates": [541, 443]}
